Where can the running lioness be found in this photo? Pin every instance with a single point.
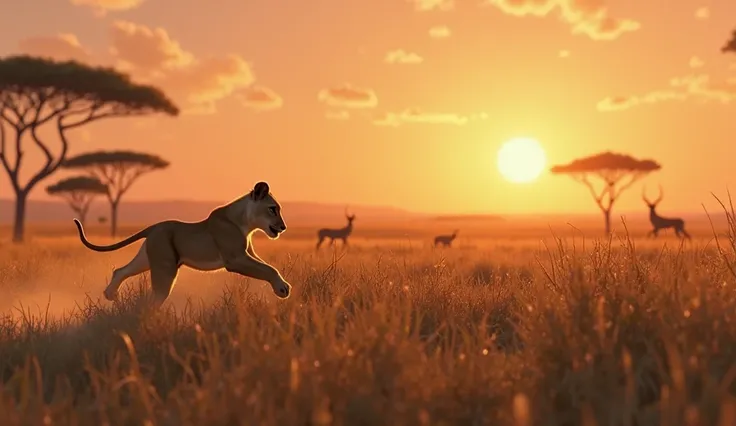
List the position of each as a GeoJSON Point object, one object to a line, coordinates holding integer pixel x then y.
{"type": "Point", "coordinates": [223, 240]}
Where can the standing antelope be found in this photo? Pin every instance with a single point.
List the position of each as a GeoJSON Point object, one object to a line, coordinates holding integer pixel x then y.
{"type": "Point", "coordinates": [445, 240]}
{"type": "Point", "coordinates": [333, 234]}
{"type": "Point", "coordinates": [660, 222]}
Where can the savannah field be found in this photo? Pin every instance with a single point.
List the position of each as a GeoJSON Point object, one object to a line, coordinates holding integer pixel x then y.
{"type": "Point", "coordinates": [517, 324]}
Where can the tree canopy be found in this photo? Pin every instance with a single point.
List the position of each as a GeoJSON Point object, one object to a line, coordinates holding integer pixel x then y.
{"type": "Point", "coordinates": [730, 45]}
{"type": "Point", "coordinates": [35, 91]}
{"type": "Point", "coordinates": [118, 170]}
{"type": "Point", "coordinates": [78, 191]}
{"type": "Point", "coordinates": [84, 184]}
{"type": "Point", "coordinates": [605, 163]}
{"type": "Point", "coordinates": [618, 172]}
{"type": "Point", "coordinates": [116, 159]}
{"type": "Point", "coordinates": [29, 84]}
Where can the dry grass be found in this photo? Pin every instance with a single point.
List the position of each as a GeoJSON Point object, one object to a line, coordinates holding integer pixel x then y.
{"type": "Point", "coordinates": [608, 332]}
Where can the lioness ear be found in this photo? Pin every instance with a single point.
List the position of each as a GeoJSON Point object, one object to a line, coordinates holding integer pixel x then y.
{"type": "Point", "coordinates": [260, 191]}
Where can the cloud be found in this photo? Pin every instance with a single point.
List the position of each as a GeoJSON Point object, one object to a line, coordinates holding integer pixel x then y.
{"type": "Point", "coordinates": [145, 48]}
{"type": "Point", "coordinates": [101, 7]}
{"type": "Point", "coordinates": [337, 115]}
{"type": "Point", "coordinates": [60, 47]}
{"type": "Point", "coordinates": [696, 62]}
{"type": "Point", "coordinates": [260, 98]}
{"type": "Point", "coordinates": [427, 5]}
{"type": "Point", "coordinates": [589, 17]}
{"type": "Point", "coordinates": [440, 31]}
{"type": "Point", "coordinates": [692, 87]}
{"type": "Point", "coordinates": [400, 56]}
{"type": "Point", "coordinates": [152, 55]}
{"type": "Point", "coordinates": [563, 54]}
{"type": "Point", "coordinates": [702, 13]}
{"type": "Point", "coordinates": [348, 96]}
{"type": "Point", "coordinates": [415, 115]}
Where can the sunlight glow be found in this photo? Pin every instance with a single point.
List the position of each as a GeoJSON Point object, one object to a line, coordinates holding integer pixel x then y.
{"type": "Point", "coordinates": [521, 160]}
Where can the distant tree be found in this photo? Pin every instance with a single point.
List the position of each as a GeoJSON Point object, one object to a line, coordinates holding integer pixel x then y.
{"type": "Point", "coordinates": [117, 170]}
{"type": "Point", "coordinates": [78, 191]}
{"type": "Point", "coordinates": [67, 95]}
{"type": "Point", "coordinates": [617, 171]}
{"type": "Point", "coordinates": [730, 46]}
{"type": "Point", "coordinates": [101, 220]}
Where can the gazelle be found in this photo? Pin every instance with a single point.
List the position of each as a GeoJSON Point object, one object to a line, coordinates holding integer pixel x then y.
{"type": "Point", "coordinates": [660, 222]}
{"type": "Point", "coordinates": [445, 240]}
{"type": "Point", "coordinates": [333, 234]}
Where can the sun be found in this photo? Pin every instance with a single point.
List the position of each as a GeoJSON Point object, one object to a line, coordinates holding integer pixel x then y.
{"type": "Point", "coordinates": [521, 160]}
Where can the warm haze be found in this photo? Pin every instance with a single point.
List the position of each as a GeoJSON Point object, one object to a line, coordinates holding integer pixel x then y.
{"type": "Point", "coordinates": [418, 95]}
{"type": "Point", "coordinates": [430, 164]}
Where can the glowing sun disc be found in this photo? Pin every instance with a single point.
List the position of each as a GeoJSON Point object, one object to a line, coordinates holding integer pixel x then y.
{"type": "Point", "coordinates": [521, 160]}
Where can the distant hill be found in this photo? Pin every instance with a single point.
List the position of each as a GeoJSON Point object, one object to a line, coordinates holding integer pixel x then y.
{"type": "Point", "coordinates": [469, 218]}
{"type": "Point", "coordinates": [151, 211]}
{"type": "Point", "coordinates": [296, 212]}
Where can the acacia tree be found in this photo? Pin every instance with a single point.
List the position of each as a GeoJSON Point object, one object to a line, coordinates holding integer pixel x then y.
{"type": "Point", "coordinates": [78, 191]}
{"type": "Point", "coordinates": [117, 170]}
{"type": "Point", "coordinates": [617, 171]}
{"type": "Point", "coordinates": [65, 95]}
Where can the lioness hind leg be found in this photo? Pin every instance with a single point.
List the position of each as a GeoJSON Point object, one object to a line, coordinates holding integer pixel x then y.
{"type": "Point", "coordinates": [163, 278]}
{"type": "Point", "coordinates": [138, 265]}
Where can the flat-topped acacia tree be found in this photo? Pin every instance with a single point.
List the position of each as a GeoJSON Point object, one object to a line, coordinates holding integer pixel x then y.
{"type": "Point", "coordinates": [117, 170]}
{"type": "Point", "coordinates": [79, 192]}
{"type": "Point", "coordinates": [37, 92]}
{"type": "Point", "coordinates": [617, 171]}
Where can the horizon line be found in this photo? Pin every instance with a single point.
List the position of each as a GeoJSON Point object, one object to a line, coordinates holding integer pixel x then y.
{"type": "Point", "coordinates": [402, 209]}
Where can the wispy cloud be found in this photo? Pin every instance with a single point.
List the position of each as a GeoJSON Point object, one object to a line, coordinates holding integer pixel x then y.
{"type": "Point", "coordinates": [696, 62]}
{"type": "Point", "coordinates": [693, 87]}
{"type": "Point", "coordinates": [589, 17]}
{"type": "Point", "coordinates": [400, 56]}
{"type": "Point", "coordinates": [101, 7]}
{"type": "Point", "coordinates": [348, 96]}
{"type": "Point", "coordinates": [196, 82]}
{"type": "Point", "coordinates": [415, 115]}
{"type": "Point", "coordinates": [440, 32]}
{"type": "Point", "coordinates": [427, 5]}
{"type": "Point", "coordinates": [260, 98]}
{"type": "Point", "coordinates": [337, 115]}
{"type": "Point", "coordinates": [60, 47]}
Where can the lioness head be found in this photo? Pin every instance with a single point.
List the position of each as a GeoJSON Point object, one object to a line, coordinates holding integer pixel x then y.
{"type": "Point", "coordinates": [265, 212]}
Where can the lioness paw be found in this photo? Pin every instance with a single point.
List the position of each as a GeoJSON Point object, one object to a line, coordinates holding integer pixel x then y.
{"type": "Point", "coordinates": [110, 294]}
{"type": "Point", "coordinates": [282, 290]}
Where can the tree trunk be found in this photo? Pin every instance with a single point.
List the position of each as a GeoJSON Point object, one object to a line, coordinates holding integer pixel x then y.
{"type": "Point", "coordinates": [19, 220]}
{"type": "Point", "coordinates": [607, 219]}
{"type": "Point", "coordinates": [82, 213]}
{"type": "Point", "coordinates": [113, 218]}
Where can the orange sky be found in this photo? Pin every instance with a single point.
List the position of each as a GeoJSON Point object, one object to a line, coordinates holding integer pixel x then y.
{"type": "Point", "coordinates": [405, 102]}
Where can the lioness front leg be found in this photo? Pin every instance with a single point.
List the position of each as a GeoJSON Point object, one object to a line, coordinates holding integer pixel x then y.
{"type": "Point", "coordinates": [251, 251]}
{"type": "Point", "coordinates": [248, 266]}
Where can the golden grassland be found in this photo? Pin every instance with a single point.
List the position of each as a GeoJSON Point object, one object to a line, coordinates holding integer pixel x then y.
{"type": "Point", "coordinates": [516, 325]}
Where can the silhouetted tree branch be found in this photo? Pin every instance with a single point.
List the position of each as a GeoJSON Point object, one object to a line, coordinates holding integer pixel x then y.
{"type": "Point", "coordinates": [38, 91]}
{"type": "Point", "coordinates": [117, 170]}
{"type": "Point", "coordinates": [78, 191]}
{"type": "Point", "coordinates": [617, 171]}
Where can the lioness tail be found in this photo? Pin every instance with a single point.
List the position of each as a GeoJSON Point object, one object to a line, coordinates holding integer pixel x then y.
{"type": "Point", "coordinates": [112, 247]}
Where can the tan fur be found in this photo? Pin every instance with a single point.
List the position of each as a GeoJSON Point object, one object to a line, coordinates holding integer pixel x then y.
{"type": "Point", "coordinates": [222, 240]}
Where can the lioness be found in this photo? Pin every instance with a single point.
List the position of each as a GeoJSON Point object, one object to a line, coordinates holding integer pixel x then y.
{"type": "Point", "coordinates": [223, 240]}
